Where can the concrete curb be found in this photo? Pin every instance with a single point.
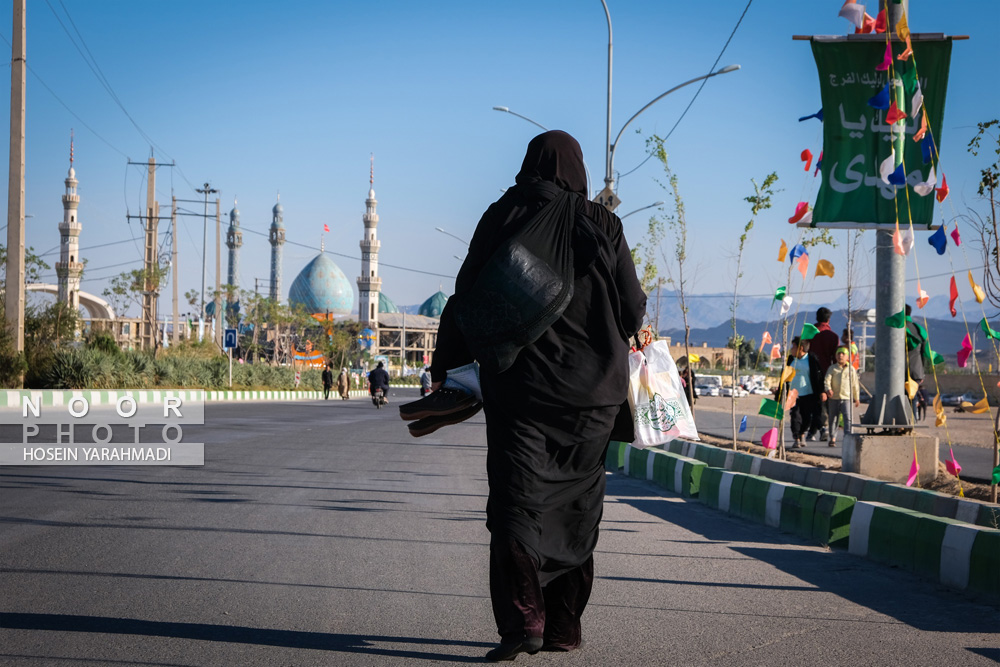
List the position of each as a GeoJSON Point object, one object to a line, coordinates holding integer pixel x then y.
{"type": "Point", "coordinates": [676, 473]}
{"type": "Point", "coordinates": [956, 554]}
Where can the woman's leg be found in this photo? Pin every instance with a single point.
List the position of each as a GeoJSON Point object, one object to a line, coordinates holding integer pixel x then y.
{"type": "Point", "coordinates": [565, 599]}
{"type": "Point", "coordinates": [518, 605]}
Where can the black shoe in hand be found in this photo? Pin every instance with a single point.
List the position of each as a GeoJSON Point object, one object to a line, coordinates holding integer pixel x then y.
{"type": "Point", "coordinates": [442, 402]}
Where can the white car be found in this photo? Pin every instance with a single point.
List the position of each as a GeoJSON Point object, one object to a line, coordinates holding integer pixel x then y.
{"type": "Point", "coordinates": [707, 390]}
{"type": "Point", "coordinates": [740, 391]}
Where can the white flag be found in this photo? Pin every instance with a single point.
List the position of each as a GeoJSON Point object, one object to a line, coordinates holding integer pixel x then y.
{"type": "Point", "coordinates": [927, 187]}
{"type": "Point", "coordinates": [887, 167]}
{"type": "Point", "coordinates": [853, 12]}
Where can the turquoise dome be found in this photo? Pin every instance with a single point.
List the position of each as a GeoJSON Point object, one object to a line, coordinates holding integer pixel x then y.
{"type": "Point", "coordinates": [434, 305]}
{"type": "Point", "coordinates": [385, 304]}
{"type": "Point", "coordinates": [321, 287]}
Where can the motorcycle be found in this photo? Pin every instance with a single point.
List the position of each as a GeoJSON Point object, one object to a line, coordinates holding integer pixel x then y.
{"type": "Point", "coordinates": [378, 399]}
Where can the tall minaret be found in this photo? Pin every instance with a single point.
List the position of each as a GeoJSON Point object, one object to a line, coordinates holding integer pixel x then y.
{"type": "Point", "coordinates": [277, 239]}
{"type": "Point", "coordinates": [369, 284]}
{"type": "Point", "coordinates": [69, 267]}
{"type": "Point", "coordinates": [234, 240]}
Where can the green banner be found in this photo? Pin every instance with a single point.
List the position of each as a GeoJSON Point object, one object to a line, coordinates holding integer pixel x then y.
{"type": "Point", "coordinates": [857, 140]}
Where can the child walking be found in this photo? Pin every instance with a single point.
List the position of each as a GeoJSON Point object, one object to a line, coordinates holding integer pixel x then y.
{"type": "Point", "coordinates": [842, 388]}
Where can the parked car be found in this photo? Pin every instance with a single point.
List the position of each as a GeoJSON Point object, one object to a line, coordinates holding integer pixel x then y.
{"type": "Point", "coordinates": [708, 390]}
{"type": "Point", "coordinates": [760, 390]}
{"type": "Point", "coordinates": [740, 391]}
{"type": "Point", "coordinates": [955, 400]}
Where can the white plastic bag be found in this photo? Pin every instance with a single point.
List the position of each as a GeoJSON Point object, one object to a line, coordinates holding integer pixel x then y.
{"type": "Point", "coordinates": [660, 410]}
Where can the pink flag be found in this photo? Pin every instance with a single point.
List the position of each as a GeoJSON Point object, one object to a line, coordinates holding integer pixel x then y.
{"type": "Point", "coordinates": [952, 465]}
{"type": "Point", "coordinates": [807, 157]}
{"type": "Point", "coordinates": [770, 439]}
{"type": "Point", "coordinates": [953, 297]}
{"type": "Point", "coordinates": [887, 59]}
{"type": "Point", "coordinates": [919, 136]}
{"type": "Point", "coordinates": [897, 243]}
{"type": "Point", "coordinates": [804, 265]}
{"type": "Point", "coordinates": [775, 351]}
{"type": "Point", "coordinates": [800, 211]}
{"type": "Point", "coordinates": [965, 352]}
{"type": "Point", "coordinates": [765, 339]}
{"type": "Point", "coordinates": [326, 228]}
{"type": "Point", "coordinates": [914, 469]}
{"type": "Point", "coordinates": [956, 236]}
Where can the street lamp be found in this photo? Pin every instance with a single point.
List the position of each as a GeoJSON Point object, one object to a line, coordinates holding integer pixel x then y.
{"type": "Point", "coordinates": [459, 238]}
{"type": "Point", "coordinates": [507, 110]}
{"type": "Point", "coordinates": [654, 204]}
{"type": "Point", "coordinates": [207, 190]}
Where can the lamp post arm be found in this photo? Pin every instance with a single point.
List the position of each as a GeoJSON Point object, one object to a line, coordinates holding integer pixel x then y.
{"type": "Point", "coordinates": [612, 147]}
{"type": "Point", "coordinates": [514, 113]}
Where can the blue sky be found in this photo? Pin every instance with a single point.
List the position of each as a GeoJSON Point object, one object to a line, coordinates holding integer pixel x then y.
{"type": "Point", "coordinates": [261, 97]}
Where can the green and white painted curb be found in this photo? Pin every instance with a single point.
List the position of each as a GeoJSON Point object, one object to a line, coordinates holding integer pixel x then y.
{"type": "Point", "coordinates": [959, 555]}
{"type": "Point", "coordinates": [676, 473]}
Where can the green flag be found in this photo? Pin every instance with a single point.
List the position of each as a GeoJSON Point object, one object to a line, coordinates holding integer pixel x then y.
{"type": "Point", "coordinates": [809, 331]}
{"type": "Point", "coordinates": [936, 358]}
{"type": "Point", "coordinates": [985, 326]}
{"type": "Point", "coordinates": [996, 475]}
{"type": "Point", "coordinates": [897, 321]}
{"type": "Point", "coordinates": [770, 408]}
{"type": "Point", "coordinates": [856, 138]}
{"type": "Point", "coordinates": [780, 293]}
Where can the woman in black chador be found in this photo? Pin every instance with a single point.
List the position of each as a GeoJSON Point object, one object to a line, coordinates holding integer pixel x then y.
{"type": "Point", "coordinates": [549, 416]}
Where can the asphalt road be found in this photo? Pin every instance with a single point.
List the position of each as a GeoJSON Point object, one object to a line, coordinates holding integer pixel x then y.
{"type": "Point", "coordinates": [969, 435]}
{"type": "Point", "coordinates": [322, 534]}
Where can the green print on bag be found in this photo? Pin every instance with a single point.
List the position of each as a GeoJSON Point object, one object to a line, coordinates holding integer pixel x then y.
{"type": "Point", "coordinates": [659, 414]}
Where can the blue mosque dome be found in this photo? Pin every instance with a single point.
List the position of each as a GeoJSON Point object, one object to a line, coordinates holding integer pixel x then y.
{"type": "Point", "coordinates": [385, 304]}
{"type": "Point", "coordinates": [321, 287]}
{"type": "Point", "coordinates": [433, 306]}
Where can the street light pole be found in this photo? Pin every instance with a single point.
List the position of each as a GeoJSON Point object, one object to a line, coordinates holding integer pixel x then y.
{"type": "Point", "coordinates": [459, 238]}
{"type": "Point", "coordinates": [654, 204]}
{"type": "Point", "coordinates": [513, 113]}
{"type": "Point", "coordinates": [204, 243]}
{"type": "Point", "coordinates": [609, 181]}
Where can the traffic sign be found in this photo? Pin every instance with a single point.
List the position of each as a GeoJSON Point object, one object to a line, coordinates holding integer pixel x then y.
{"type": "Point", "coordinates": [229, 339]}
{"type": "Point", "coordinates": [607, 198]}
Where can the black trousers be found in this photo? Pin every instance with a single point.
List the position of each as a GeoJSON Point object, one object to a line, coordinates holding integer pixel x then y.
{"type": "Point", "coordinates": [806, 416]}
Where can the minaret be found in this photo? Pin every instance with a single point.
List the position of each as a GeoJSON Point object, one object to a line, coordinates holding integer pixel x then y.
{"type": "Point", "coordinates": [69, 267]}
{"type": "Point", "coordinates": [369, 284]}
{"type": "Point", "coordinates": [277, 239]}
{"type": "Point", "coordinates": [234, 240]}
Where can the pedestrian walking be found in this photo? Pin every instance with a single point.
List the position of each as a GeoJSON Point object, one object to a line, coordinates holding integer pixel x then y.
{"type": "Point", "coordinates": [327, 381]}
{"type": "Point", "coordinates": [425, 382]}
{"type": "Point", "coordinates": [808, 382]}
{"type": "Point", "coordinates": [823, 346]}
{"type": "Point", "coordinates": [550, 415]}
{"type": "Point", "coordinates": [344, 384]}
{"type": "Point", "coordinates": [842, 389]}
{"type": "Point", "coordinates": [916, 351]}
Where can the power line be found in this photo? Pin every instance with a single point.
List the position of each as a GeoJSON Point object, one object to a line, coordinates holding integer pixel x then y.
{"type": "Point", "coordinates": [697, 92]}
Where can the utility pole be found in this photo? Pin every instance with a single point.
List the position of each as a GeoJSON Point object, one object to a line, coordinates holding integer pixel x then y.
{"type": "Point", "coordinates": [174, 339]}
{"type": "Point", "coordinates": [207, 190]}
{"type": "Point", "coordinates": [219, 305]}
{"type": "Point", "coordinates": [14, 294]}
{"type": "Point", "coordinates": [151, 288]}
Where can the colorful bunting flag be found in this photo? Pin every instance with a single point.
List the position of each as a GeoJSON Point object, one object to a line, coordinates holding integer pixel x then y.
{"type": "Point", "coordinates": [765, 339]}
{"type": "Point", "coordinates": [965, 352]}
{"type": "Point", "coordinates": [886, 60]}
{"type": "Point", "coordinates": [769, 408]}
{"type": "Point", "coordinates": [907, 52]}
{"type": "Point", "coordinates": [881, 22]}
{"type": "Point", "coordinates": [996, 476]}
{"type": "Point", "coordinates": [819, 164]}
{"type": "Point", "coordinates": [938, 240]}
{"type": "Point", "coordinates": [854, 13]}
{"type": "Point", "coordinates": [916, 102]}
{"type": "Point", "coordinates": [927, 150]}
{"type": "Point", "coordinates": [787, 375]}
{"type": "Point", "coordinates": [902, 28]}
{"type": "Point", "coordinates": [776, 351]}
{"type": "Point", "coordinates": [809, 331]}
{"type": "Point", "coordinates": [919, 136]}
{"type": "Point", "coordinates": [981, 406]}
{"type": "Point", "coordinates": [743, 424]}
{"type": "Point", "coordinates": [953, 296]}
{"type": "Point", "coordinates": [800, 211]}
{"type": "Point", "coordinates": [955, 236]}
{"type": "Point", "coordinates": [824, 268]}
{"type": "Point", "coordinates": [895, 114]}
{"type": "Point", "coordinates": [694, 358]}
{"type": "Point", "coordinates": [807, 157]}
{"type": "Point", "coordinates": [881, 100]}
{"type": "Point", "coordinates": [791, 398]}
{"type": "Point", "coordinates": [941, 418]}
{"type": "Point", "coordinates": [897, 321]}
{"type": "Point", "coordinates": [868, 26]}
{"type": "Point", "coordinates": [976, 289]}
{"type": "Point", "coordinates": [804, 265]}
{"type": "Point", "coordinates": [326, 228]}
{"type": "Point", "coordinates": [798, 251]}
{"type": "Point", "coordinates": [786, 305]}
{"type": "Point", "coordinates": [770, 439]}
{"type": "Point", "coordinates": [942, 192]}
{"type": "Point", "coordinates": [779, 294]}
{"type": "Point", "coordinates": [911, 388]}
{"type": "Point", "coordinates": [951, 465]}
{"type": "Point", "coordinates": [907, 241]}
{"type": "Point", "coordinates": [897, 177]}
{"type": "Point", "coordinates": [887, 167]}
{"type": "Point", "coordinates": [818, 116]}
{"type": "Point", "coordinates": [897, 243]}
{"type": "Point", "coordinates": [914, 469]}
{"type": "Point", "coordinates": [985, 326]}
{"type": "Point", "coordinates": [927, 187]}
{"type": "Point", "coordinates": [922, 297]}
{"type": "Point", "coordinates": [782, 251]}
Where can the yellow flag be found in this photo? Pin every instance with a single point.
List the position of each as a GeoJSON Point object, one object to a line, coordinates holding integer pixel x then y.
{"type": "Point", "coordinates": [976, 289]}
{"type": "Point", "coordinates": [824, 268]}
{"type": "Point", "coordinates": [942, 419]}
{"type": "Point", "coordinates": [694, 358]}
{"type": "Point", "coordinates": [782, 251]}
{"type": "Point", "coordinates": [911, 388]}
{"type": "Point", "coordinates": [980, 407]}
{"type": "Point", "coordinates": [902, 29]}
{"type": "Point", "coordinates": [787, 375]}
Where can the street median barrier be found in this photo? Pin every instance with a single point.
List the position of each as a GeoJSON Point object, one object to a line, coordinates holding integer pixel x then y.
{"type": "Point", "coordinates": [614, 460]}
{"type": "Point", "coordinates": [955, 553]}
{"type": "Point", "coordinates": [674, 472]}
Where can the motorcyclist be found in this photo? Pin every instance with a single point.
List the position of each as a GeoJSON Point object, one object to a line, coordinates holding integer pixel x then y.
{"type": "Point", "coordinates": [379, 379]}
